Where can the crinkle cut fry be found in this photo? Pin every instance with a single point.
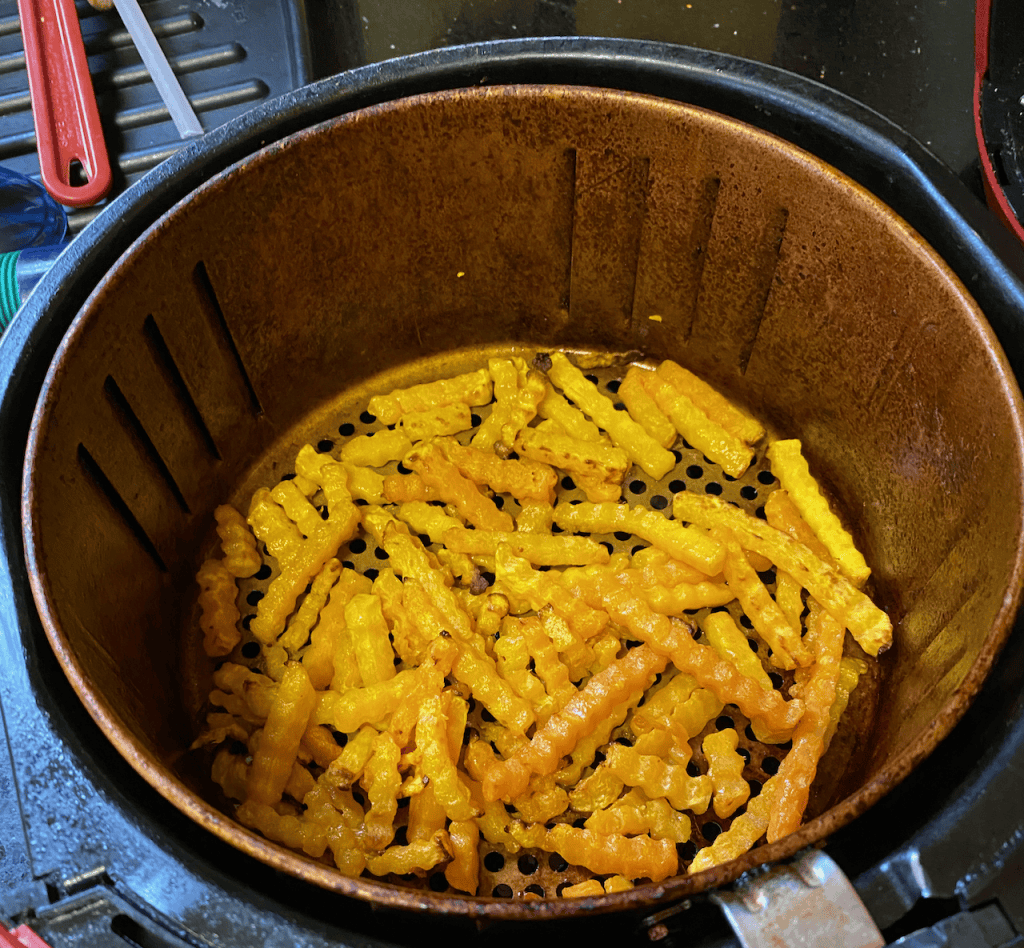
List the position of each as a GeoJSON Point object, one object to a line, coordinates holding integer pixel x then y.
{"type": "Point", "coordinates": [791, 468]}
{"type": "Point", "coordinates": [219, 614]}
{"type": "Point", "coordinates": [636, 857]}
{"type": "Point", "coordinates": [428, 460]}
{"type": "Point", "coordinates": [282, 734]}
{"type": "Point", "coordinates": [701, 661]}
{"type": "Point", "coordinates": [799, 766]}
{"type": "Point", "coordinates": [561, 732]}
{"type": "Point", "coordinates": [522, 478]}
{"type": "Point", "coordinates": [473, 388]}
{"type": "Point", "coordinates": [236, 540]}
{"type": "Point", "coordinates": [868, 624]}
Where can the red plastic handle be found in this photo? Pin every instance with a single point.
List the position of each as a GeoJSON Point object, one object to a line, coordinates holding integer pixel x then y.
{"type": "Point", "coordinates": [22, 937]}
{"type": "Point", "coordinates": [64, 109]}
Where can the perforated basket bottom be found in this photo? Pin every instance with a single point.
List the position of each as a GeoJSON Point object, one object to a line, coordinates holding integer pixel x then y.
{"type": "Point", "coordinates": [535, 873]}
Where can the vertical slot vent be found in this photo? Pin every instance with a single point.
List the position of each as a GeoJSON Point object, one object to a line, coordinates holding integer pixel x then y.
{"type": "Point", "coordinates": [700, 237]}
{"type": "Point", "coordinates": [126, 415]}
{"type": "Point", "coordinates": [101, 482]}
{"type": "Point", "coordinates": [165, 361]}
{"type": "Point", "coordinates": [211, 304]}
{"type": "Point", "coordinates": [770, 253]}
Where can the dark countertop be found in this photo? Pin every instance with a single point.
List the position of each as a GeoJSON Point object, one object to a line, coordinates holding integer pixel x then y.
{"type": "Point", "coordinates": [910, 60]}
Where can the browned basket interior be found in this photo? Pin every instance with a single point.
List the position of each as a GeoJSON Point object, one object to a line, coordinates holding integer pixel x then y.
{"type": "Point", "coordinates": [432, 230]}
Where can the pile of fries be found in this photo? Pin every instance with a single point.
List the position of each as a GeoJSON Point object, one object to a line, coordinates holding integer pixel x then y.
{"type": "Point", "coordinates": [505, 679]}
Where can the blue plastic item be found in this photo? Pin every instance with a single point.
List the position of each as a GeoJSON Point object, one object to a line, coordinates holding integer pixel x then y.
{"type": "Point", "coordinates": [33, 228]}
{"type": "Point", "coordinates": [29, 217]}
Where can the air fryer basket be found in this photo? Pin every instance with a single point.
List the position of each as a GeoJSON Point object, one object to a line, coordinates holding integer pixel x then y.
{"type": "Point", "coordinates": [411, 238]}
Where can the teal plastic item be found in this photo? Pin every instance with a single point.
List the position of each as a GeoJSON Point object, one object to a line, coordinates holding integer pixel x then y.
{"type": "Point", "coordinates": [20, 271]}
{"type": "Point", "coordinates": [33, 227]}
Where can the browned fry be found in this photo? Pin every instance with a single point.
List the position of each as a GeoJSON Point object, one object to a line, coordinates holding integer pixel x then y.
{"type": "Point", "coordinates": [524, 479]}
{"type": "Point", "coordinates": [701, 661]}
{"type": "Point", "coordinates": [452, 486]}
{"type": "Point", "coordinates": [562, 731]}
{"type": "Point", "coordinates": [796, 773]}
{"type": "Point", "coordinates": [536, 549]}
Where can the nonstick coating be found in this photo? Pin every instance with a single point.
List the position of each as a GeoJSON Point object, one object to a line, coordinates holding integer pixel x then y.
{"type": "Point", "coordinates": [225, 332]}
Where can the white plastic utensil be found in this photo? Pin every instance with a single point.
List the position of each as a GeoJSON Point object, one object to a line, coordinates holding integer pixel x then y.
{"type": "Point", "coordinates": [182, 114]}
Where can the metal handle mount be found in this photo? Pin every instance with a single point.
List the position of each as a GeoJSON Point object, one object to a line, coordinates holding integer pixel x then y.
{"type": "Point", "coordinates": [808, 903]}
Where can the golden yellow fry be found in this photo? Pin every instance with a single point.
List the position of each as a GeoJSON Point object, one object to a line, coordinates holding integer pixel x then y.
{"type": "Point", "coordinates": [618, 884]}
{"type": "Point", "coordinates": [376, 449]}
{"type": "Point", "coordinates": [513, 658]}
{"type": "Point", "coordinates": [868, 624]}
{"type": "Point", "coordinates": [296, 634]}
{"type": "Point", "coordinates": [707, 436]}
{"type": "Point", "coordinates": [219, 614]}
{"type": "Point", "coordinates": [432, 741]}
{"type": "Point", "coordinates": [712, 403]}
{"type": "Point", "coordinates": [798, 768]}
{"type": "Point", "coordinates": [535, 518]}
{"type": "Point", "coordinates": [643, 449]}
{"type": "Point", "coordinates": [789, 596]}
{"type": "Point", "coordinates": [318, 743]}
{"type": "Point", "coordinates": [282, 734]}
{"type": "Point", "coordinates": [794, 474]}
{"type": "Point", "coordinates": [599, 468]}
{"type": "Point", "coordinates": [850, 671]}
{"type": "Point", "coordinates": [478, 671]}
{"type": "Point", "coordinates": [231, 773]}
{"type": "Point", "coordinates": [658, 778]}
{"type": "Point", "coordinates": [473, 388]}
{"type": "Point", "coordinates": [535, 549]}
{"type": "Point", "coordinates": [463, 872]}
{"type": "Point", "coordinates": [542, 589]}
{"type": "Point", "coordinates": [635, 814]}
{"type": "Point", "coordinates": [293, 831]}
{"type": "Point", "coordinates": [725, 768]}
{"type": "Point", "coordinates": [518, 390]}
{"type": "Point", "coordinates": [556, 407]}
{"type": "Point", "coordinates": [524, 479]}
{"type": "Point", "coordinates": [402, 860]}
{"type": "Point", "coordinates": [364, 483]}
{"type": "Point", "coordinates": [411, 639]}
{"type": "Point", "coordinates": [769, 621]}
{"type": "Point", "coordinates": [724, 636]}
{"type": "Point", "coordinates": [428, 460]}
{"type": "Point", "coordinates": [635, 857]}
{"type": "Point", "coordinates": [582, 890]}
{"type": "Point", "coordinates": [426, 816]}
{"type": "Point", "coordinates": [690, 546]}
{"type": "Point", "coordinates": [595, 792]}
{"type": "Point", "coordinates": [437, 422]}
{"type": "Point", "coordinates": [741, 835]}
{"type": "Point", "coordinates": [656, 567]}
{"type": "Point", "coordinates": [329, 658]}
{"type": "Point", "coordinates": [644, 409]}
{"type": "Point", "coordinates": [382, 781]}
{"type": "Point", "coordinates": [237, 542]}
{"type": "Point", "coordinates": [581, 716]}
{"type": "Point", "coordinates": [542, 802]}
{"type": "Point", "coordinates": [402, 488]}
{"type": "Point", "coordinates": [671, 638]}
{"type": "Point", "coordinates": [346, 769]}
{"type": "Point", "coordinates": [300, 544]}
{"type": "Point", "coordinates": [369, 633]}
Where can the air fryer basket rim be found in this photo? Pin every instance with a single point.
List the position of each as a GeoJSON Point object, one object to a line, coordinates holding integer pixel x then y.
{"type": "Point", "coordinates": [945, 207]}
{"type": "Point", "coordinates": [275, 857]}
